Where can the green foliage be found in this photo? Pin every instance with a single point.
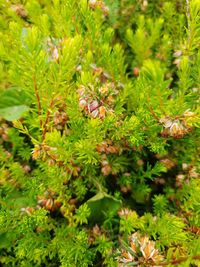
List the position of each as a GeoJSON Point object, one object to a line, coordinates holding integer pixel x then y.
{"type": "Point", "coordinates": [13, 104]}
{"type": "Point", "coordinates": [99, 133]}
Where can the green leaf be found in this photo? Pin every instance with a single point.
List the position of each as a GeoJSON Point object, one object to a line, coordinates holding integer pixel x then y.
{"type": "Point", "coordinates": [13, 103]}
{"type": "Point", "coordinates": [6, 239]}
{"type": "Point", "coordinates": [100, 204]}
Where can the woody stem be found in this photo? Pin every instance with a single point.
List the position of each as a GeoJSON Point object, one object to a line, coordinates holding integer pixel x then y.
{"type": "Point", "coordinates": [38, 100]}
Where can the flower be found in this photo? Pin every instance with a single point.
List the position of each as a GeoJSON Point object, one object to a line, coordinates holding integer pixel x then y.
{"type": "Point", "coordinates": [141, 251]}
{"type": "Point", "coordinates": [36, 153]}
{"type": "Point", "coordinates": [176, 128]}
{"type": "Point", "coordinates": [93, 105]}
{"type": "Point", "coordinates": [123, 212]}
{"type": "Point", "coordinates": [167, 122]}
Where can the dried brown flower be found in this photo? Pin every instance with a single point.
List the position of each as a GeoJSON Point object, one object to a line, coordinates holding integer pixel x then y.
{"type": "Point", "coordinates": [141, 251]}
{"type": "Point", "coordinates": [20, 11]}
{"type": "Point", "coordinates": [176, 128]}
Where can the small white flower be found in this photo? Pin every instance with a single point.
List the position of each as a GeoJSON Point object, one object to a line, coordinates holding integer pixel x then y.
{"type": "Point", "coordinates": [178, 53]}
{"type": "Point", "coordinates": [167, 122]}
{"type": "Point", "coordinates": [82, 103]}
{"type": "Point", "coordinates": [93, 105]}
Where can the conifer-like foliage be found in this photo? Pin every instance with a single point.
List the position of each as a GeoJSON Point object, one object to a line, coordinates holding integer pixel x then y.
{"type": "Point", "coordinates": [99, 133]}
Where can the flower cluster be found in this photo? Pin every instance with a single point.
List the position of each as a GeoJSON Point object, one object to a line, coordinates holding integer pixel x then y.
{"type": "Point", "coordinates": [107, 147]}
{"type": "Point", "coordinates": [178, 127]}
{"type": "Point", "coordinates": [59, 116]}
{"type": "Point", "coordinates": [27, 210]}
{"type": "Point", "coordinates": [3, 132]}
{"type": "Point", "coordinates": [20, 11]}
{"type": "Point", "coordinates": [48, 201]}
{"type": "Point", "coordinates": [97, 104]}
{"type": "Point", "coordinates": [53, 46]}
{"type": "Point", "coordinates": [94, 233]}
{"type": "Point", "coordinates": [141, 252]}
{"type": "Point", "coordinates": [44, 151]}
{"type": "Point", "coordinates": [177, 55]}
{"type": "Point", "coordinates": [124, 212]}
{"type": "Point", "coordinates": [94, 4]}
{"type": "Point", "coordinates": [188, 172]}
{"type": "Point", "coordinates": [60, 119]}
{"type": "Point", "coordinates": [106, 168]}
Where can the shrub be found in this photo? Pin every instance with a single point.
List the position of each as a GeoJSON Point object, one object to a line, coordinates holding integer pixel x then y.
{"type": "Point", "coordinates": [99, 133]}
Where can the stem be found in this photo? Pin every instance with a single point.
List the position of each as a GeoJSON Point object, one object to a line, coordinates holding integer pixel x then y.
{"type": "Point", "coordinates": [175, 262]}
{"type": "Point", "coordinates": [188, 13]}
{"type": "Point", "coordinates": [38, 100]}
{"type": "Point", "coordinates": [190, 31]}
{"type": "Point", "coordinates": [47, 120]}
{"type": "Point", "coordinates": [152, 112]}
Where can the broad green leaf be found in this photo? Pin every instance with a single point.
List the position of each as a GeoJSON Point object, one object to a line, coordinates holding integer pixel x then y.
{"type": "Point", "coordinates": [13, 103]}
{"type": "Point", "coordinates": [6, 239]}
{"type": "Point", "coordinates": [100, 204]}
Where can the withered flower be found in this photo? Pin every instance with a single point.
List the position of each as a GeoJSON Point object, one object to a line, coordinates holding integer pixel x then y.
{"type": "Point", "coordinates": [141, 251]}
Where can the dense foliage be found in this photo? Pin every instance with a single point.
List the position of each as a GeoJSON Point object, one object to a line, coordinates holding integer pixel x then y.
{"type": "Point", "coordinates": [99, 133]}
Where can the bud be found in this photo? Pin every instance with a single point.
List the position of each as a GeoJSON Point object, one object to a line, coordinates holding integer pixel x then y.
{"type": "Point", "coordinates": [82, 103]}
{"type": "Point", "coordinates": [27, 168]}
{"type": "Point", "coordinates": [178, 53]}
{"type": "Point", "coordinates": [20, 11]}
{"type": "Point", "coordinates": [49, 204]}
{"type": "Point", "coordinates": [177, 62]}
{"type": "Point", "coordinates": [125, 189]}
{"type": "Point", "coordinates": [79, 68]}
{"type": "Point", "coordinates": [94, 113]}
{"type": "Point", "coordinates": [179, 179]}
{"type": "Point", "coordinates": [105, 10]}
{"type": "Point", "coordinates": [36, 153]}
{"type": "Point", "coordinates": [168, 163]}
{"type": "Point", "coordinates": [103, 90]}
{"type": "Point", "coordinates": [167, 122]}
{"type": "Point", "coordinates": [81, 90]}
{"type": "Point", "coordinates": [110, 100]}
{"type": "Point", "coordinates": [176, 129]}
{"type": "Point", "coordinates": [92, 3]}
{"type": "Point", "coordinates": [144, 5]}
{"type": "Point", "coordinates": [55, 55]}
{"type": "Point", "coordinates": [27, 210]}
{"type": "Point", "coordinates": [123, 212]}
{"type": "Point", "coordinates": [188, 113]}
{"type": "Point", "coordinates": [136, 72]}
{"type": "Point", "coordinates": [106, 170]}
{"type": "Point", "coordinates": [140, 162]}
{"type": "Point", "coordinates": [104, 163]}
{"type": "Point", "coordinates": [102, 112]}
{"type": "Point", "coordinates": [185, 166]}
{"type": "Point", "coordinates": [93, 105]}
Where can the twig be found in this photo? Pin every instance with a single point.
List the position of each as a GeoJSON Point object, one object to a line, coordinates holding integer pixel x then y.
{"type": "Point", "coordinates": [38, 100]}
{"type": "Point", "coordinates": [188, 13]}
{"type": "Point", "coordinates": [189, 23]}
{"type": "Point", "coordinates": [152, 112]}
{"type": "Point", "coordinates": [175, 262]}
{"type": "Point", "coordinates": [47, 119]}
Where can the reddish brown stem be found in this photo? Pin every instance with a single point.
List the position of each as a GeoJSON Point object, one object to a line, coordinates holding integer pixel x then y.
{"type": "Point", "coordinates": [38, 100]}
{"type": "Point", "coordinates": [47, 120]}
{"type": "Point", "coordinates": [152, 112]}
{"type": "Point", "coordinates": [175, 262]}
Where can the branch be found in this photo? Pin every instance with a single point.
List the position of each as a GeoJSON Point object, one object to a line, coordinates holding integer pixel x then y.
{"type": "Point", "coordinates": [188, 13]}
{"type": "Point", "coordinates": [175, 262]}
{"type": "Point", "coordinates": [152, 112]}
{"type": "Point", "coordinates": [47, 119]}
{"type": "Point", "coordinates": [38, 100]}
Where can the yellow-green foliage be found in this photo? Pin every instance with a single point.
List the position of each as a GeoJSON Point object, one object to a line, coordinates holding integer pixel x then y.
{"type": "Point", "coordinates": [99, 133]}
